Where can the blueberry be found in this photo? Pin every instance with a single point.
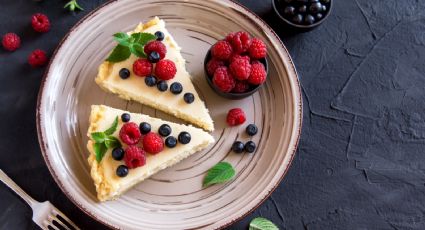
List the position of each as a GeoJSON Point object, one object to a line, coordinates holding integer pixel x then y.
{"type": "Point", "coordinates": [251, 129]}
{"type": "Point", "coordinates": [184, 137]}
{"type": "Point", "coordinates": [159, 35]}
{"type": "Point", "coordinates": [288, 1]}
{"type": "Point", "coordinates": [323, 8]}
{"type": "Point", "coordinates": [238, 147]}
{"type": "Point", "coordinates": [315, 7]}
{"type": "Point", "coordinates": [125, 117]}
{"type": "Point", "coordinates": [154, 57]}
{"type": "Point", "coordinates": [309, 19]}
{"type": "Point", "coordinates": [176, 88]}
{"type": "Point", "coordinates": [118, 154]}
{"type": "Point", "coordinates": [162, 86]}
{"type": "Point", "coordinates": [150, 80]}
{"type": "Point", "coordinates": [302, 1]}
{"type": "Point", "coordinates": [289, 10]}
{"type": "Point", "coordinates": [250, 146]}
{"type": "Point", "coordinates": [171, 142]}
{"type": "Point", "coordinates": [189, 98]}
{"type": "Point", "coordinates": [313, 0]}
{"type": "Point", "coordinates": [325, 1]}
{"type": "Point", "coordinates": [302, 9]}
{"type": "Point", "coordinates": [124, 73]}
{"type": "Point", "coordinates": [319, 16]}
{"type": "Point", "coordinates": [122, 171]}
{"type": "Point", "coordinates": [164, 130]}
{"type": "Point", "coordinates": [298, 18]}
{"type": "Point", "coordinates": [144, 127]}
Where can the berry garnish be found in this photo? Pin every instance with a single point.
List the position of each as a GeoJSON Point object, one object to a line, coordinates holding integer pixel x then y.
{"type": "Point", "coordinates": [142, 67]}
{"type": "Point", "coordinates": [250, 146]}
{"type": "Point", "coordinates": [240, 42]}
{"type": "Point", "coordinates": [184, 137]}
{"type": "Point", "coordinates": [176, 88]}
{"type": "Point", "coordinates": [125, 117]}
{"type": "Point", "coordinates": [124, 73]}
{"type": "Point", "coordinates": [153, 143]}
{"type": "Point", "coordinates": [235, 117]}
{"type": "Point", "coordinates": [212, 65]}
{"type": "Point", "coordinates": [240, 87]}
{"type": "Point", "coordinates": [189, 98]}
{"type": "Point", "coordinates": [118, 154]}
{"type": "Point", "coordinates": [257, 49]}
{"type": "Point", "coordinates": [11, 41]}
{"type": "Point", "coordinates": [144, 128]}
{"type": "Point", "coordinates": [222, 50]}
{"type": "Point", "coordinates": [37, 58]}
{"type": "Point", "coordinates": [238, 147]}
{"type": "Point", "coordinates": [40, 23]}
{"type": "Point", "coordinates": [159, 35]}
{"type": "Point", "coordinates": [240, 68]}
{"type": "Point", "coordinates": [162, 86]}
{"type": "Point", "coordinates": [134, 157]}
{"type": "Point", "coordinates": [150, 80]}
{"type": "Point", "coordinates": [251, 129]}
{"type": "Point", "coordinates": [156, 46]}
{"type": "Point", "coordinates": [171, 142]}
{"type": "Point", "coordinates": [258, 73]}
{"type": "Point", "coordinates": [164, 130]}
{"type": "Point", "coordinates": [154, 57]}
{"type": "Point", "coordinates": [223, 79]}
{"type": "Point", "coordinates": [130, 133]}
{"type": "Point", "coordinates": [122, 171]}
{"type": "Point", "coordinates": [165, 69]}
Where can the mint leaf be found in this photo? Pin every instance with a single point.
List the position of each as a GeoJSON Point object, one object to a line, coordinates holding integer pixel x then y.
{"type": "Point", "coordinates": [100, 150]}
{"type": "Point", "coordinates": [120, 53]}
{"type": "Point", "coordinates": [219, 173]}
{"type": "Point", "coordinates": [137, 50]}
{"type": "Point", "coordinates": [143, 38]}
{"type": "Point", "coordinates": [260, 223]}
{"type": "Point", "coordinates": [122, 38]}
{"type": "Point", "coordinates": [98, 137]}
{"type": "Point", "coordinates": [112, 142]}
{"type": "Point", "coordinates": [113, 127]}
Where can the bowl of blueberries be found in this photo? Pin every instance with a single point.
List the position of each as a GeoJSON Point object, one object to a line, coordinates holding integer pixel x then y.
{"type": "Point", "coordinates": [303, 15]}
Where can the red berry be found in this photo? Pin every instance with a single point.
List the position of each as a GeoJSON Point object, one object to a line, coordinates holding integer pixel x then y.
{"type": "Point", "coordinates": [11, 41]}
{"type": "Point", "coordinates": [241, 42]}
{"type": "Point", "coordinates": [257, 49]}
{"type": "Point", "coordinates": [142, 67]}
{"type": "Point", "coordinates": [157, 46]}
{"type": "Point", "coordinates": [222, 50]}
{"type": "Point", "coordinates": [134, 157]}
{"type": "Point", "coordinates": [165, 69]}
{"type": "Point", "coordinates": [258, 73]}
{"type": "Point", "coordinates": [40, 23]}
{"type": "Point", "coordinates": [230, 36]}
{"type": "Point", "coordinates": [212, 65]}
{"type": "Point", "coordinates": [240, 68]}
{"type": "Point", "coordinates": [153, 143]}
{"type": "Point", "coordinates": [223, 79]}
{"type": "Point", "coordinates": [130, 133]}
{"type": "Point", "coordinates": [241, 87]}
{"type": "Point", "coordinates": [37, 58]}
{"type": "Point", "coordinates": [235, 117]}
{"type": "Point", "coordinates": [237, 56]}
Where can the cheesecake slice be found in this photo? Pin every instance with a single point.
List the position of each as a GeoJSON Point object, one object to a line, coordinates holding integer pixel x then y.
{"type": "Point", "coordinates": [108, 184]}
{"type": "Point", "coordinates": [134, 88]}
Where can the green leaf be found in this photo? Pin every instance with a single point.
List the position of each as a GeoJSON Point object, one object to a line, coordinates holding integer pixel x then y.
{"type": "Point", "coordinates": [221, 172]}
{"type": "Point", "coordinates": [143, 38]}
{"type": "Point", "coordinates": [113, 127]}
{"type": "Point", "coordinates": [122, 38]}
{"type": "Point", "coordinates": [72, 5]}
{"type": "Point", "coordinates": [120, 53]}
{"type": "Point", "coordinates": [98, 137]}
{"type": "Point", "coordinates": [100, 150]}
{"type": "Point", "coordinates": [260, 223]}
{"type": "Point", "coordinates": [137, 50]}
{"type": "Point", "coordinates": [112, 142]}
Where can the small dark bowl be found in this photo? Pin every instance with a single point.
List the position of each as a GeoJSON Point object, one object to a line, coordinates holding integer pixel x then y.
{"type": "Point", "coordinates": [278, 8]}
{"type": "Point", "coordinates": [233, 96]}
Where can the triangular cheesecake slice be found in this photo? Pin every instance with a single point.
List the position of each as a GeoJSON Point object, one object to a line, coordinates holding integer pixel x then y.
{"type": "Point", "coordinates": [109, 185]}
{"type": "Point", "coordinates": [134, 88]}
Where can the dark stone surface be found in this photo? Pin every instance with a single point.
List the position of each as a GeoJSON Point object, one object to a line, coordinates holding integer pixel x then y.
{"type": "Point", "coordinates": [360, 160]}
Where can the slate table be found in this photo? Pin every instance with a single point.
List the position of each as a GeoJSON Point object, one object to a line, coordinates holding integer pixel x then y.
{"type": "Point", "coordinates": [361, 158]}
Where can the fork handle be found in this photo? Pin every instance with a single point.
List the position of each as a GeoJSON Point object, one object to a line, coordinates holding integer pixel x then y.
{"type": "Point", "coordinates": [12, 185]}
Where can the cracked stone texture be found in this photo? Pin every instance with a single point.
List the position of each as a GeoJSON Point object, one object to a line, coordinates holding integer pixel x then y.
{"type": "Point", "coordinates": [360, 159]}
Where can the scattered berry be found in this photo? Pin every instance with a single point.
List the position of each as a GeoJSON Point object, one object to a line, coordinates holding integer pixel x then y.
{"type": "Point", "coordinates": [176, 88]}
{"type": "Point", "coordinates": [235, 117]}
{"type": "Point", "coordinates": [37, 58]}
{"type": "Point", "coordinates": [40, 23]}
{"type": "Point", "coordinates": [118, 154]}
{"type": "Point", "coordinates": [257, 49]}
{"type": "Point", "coordinates": [142, 67]}
{"type": "Point", "coordinates": [171, 142]}
{"type": "Point", "coordinates": [223, 79]}
{"type": "Point", "coordinates": [241, 42]}
{"type": "Point", "coordinates": [212, 65]}
{"type": "Point", "coordinates": [125, 117]}
{"type": "Point", "coordinates": [222, 50]}
{"type": "Point", "coordinates": [251, 129]}
{"type": "Point", "coordinates": [122, 171]}
{"type": "Point", "coordinates": [258, 73]}
{"type": "Point", "coordinates": [159, 35]}
{"type": "Point", "coordinates": [165, 69]}
{"type": "Point", "coordinates": [150, 80]}
{"type": "Point", "coordinates": [134, 157]}
{"type": "Point", "coordinates": [189, 98]}
{"type": "Point", "coordinates": [124, 73]}
{"type": "Point", "coordinates": [184, 137]}
{"type": "Point", "coordinates": [238, 147]}
{"type": "Point", "coordinates": [144, 128]}
{"type": "Point", "coordinates": [130, 133]}
{"type": "Point", "coordinates": [250, 146]}
{"type": "Point", "coordinates": [240, 68]}
{"type": "Point", "coordinates": [11, 41]}
{"type": "Point", "coordinates": [156, 46]}
{"type": "Point", "coordinates": [162, 86]}
{"type": "Point", "coordinates": [164, 130]}
{"type": "Point", "coordinates": [153, 143]}
{"type": "Point", "coordinates": [154, 57]}
{"type": "Point", "coordinates": [241, 87]}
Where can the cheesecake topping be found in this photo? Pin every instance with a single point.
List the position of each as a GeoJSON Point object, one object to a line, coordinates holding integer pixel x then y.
{"type": "Point", "coordinates": [134, 157]}
{"type": "Point", "coordinates": [129, 44]}
{"type": "Point", "coordinates": [130, 133]}
{"type": "Point", "coordinates": [104, 140]}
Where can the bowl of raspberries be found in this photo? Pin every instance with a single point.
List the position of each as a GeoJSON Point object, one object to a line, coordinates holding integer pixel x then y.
{"type": "Point", "coordinates": [236, 67]}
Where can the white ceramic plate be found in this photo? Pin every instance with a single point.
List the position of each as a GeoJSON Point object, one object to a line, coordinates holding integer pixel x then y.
{"type": "Point", "coordinates": [174, 198]}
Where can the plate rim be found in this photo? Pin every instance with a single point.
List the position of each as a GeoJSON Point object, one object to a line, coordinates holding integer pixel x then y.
{"type": "Point", "coordinates": [298, 103]}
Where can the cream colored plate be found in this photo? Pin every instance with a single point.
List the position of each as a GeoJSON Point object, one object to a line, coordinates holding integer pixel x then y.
{"type": "Point", "coordinates": [174, 198]}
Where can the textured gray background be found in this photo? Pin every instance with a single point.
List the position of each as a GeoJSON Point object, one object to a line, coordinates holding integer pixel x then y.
{"type": "Point", "coordinates": [360, 163]}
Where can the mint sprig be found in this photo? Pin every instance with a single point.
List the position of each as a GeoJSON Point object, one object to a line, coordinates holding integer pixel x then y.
{"type": "Point", "coordinates": [129, 44]}
{"type": "Point", "coordinates": [219, 173]}
{"type": "Point", "coordinates": [72, 6]}
{"type": "Point", "coordinates": [104, 140]}
{"type": "Point", "coordinates": [261, 223]}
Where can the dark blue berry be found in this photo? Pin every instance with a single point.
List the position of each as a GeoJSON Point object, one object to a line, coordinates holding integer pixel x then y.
{"type": "Point", "coordinates": [315, 7]}
{"type": "Point", "coordinates": [302, 9]}
{"type": "Point", "coordinates": [122, 171]}
{"type": "Point", "coordinates": [164, 130]}
{"type": "Point", "coordinates": [118, 154]}
{"type": "Point", "coordinates": [289, 10]}
{"type": "Point", "coordinates": [176, 88]}
{"type": "Point", "coordinates": [238, 147]}
{"type": "Point", "coordinates": [184, 137]}
{"type": "Point", "coordinates": [319, 16]}
{"type": "Point", "coordinates": [251, 129]}
{"type": "Point", "coordinates": [309, 19]}
{"type": "Point", "coordinates": [144, 128]}
{"type": "Point", "coordinates": [159, 35]}
{"type": "Point", "coordinates": [250, 146]}
{"type": "Point", "coordinates": [150, 80]}
{"type": "Point", "coordinates": [162, 86]}
{"type": "Point", "coordinates": [154, 57]}
{"type": "Point", "coordinates": [313, 0]}
{"type": "Point", "coordinates": [124, 73]}
{"type": "Point", "coordinates": [325, 1]}
{"type": "Point", "coordinates": [323, 8]}
{"type": "Point", "coordinates": [288, 1]}
{"type": "Point", "coordinates": [298, 18]}
{"type": "Point", "coordinates": [171, 142]}
{"type": "Point", "coordinates": [302, 1]}
{"type": "Point", "coordinates": [189, 98]}
{"type": "Point", "coordinates": [125, 117]}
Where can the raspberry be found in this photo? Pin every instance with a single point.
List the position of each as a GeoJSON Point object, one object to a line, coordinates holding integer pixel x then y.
{"type": "Point", "coordinates": [153, 143]}
{"type": "Point", "coordinates": [240, 68]}
{"type": "Point", "coordinates": [157, 46]}
{"type": "Point", "coordinates": [258, 73]}
{"type": "Point", "coordinates": [37, 58]}
{"type": "Point", "coordinates": [222, 50]}
{"type": "Point", "coordinates": [134, 157]}
{"type": "Point", "coordinates": [165, 69]}
{"type": "Point", "coordinates": [241, 42]}
{"type": "Point", "coordinates": [237, 56]}
{"type": "Point", "coordinates": [257, 49]}
{"type": "Point", "coordinates": [40, 23]}
{"type": "Point", "coordinates": [223, 79]}
{"type": "Point", "coordinates": [212, 65]}
{"type": "Point", "coordinates": [235, 117]}
{"type": "Point", "coordinates": [142, 67]}
{"type": "Point", "coordinates": [11, 41]}
{"type": "Point", "coordinates": [241, 87]}
{"type": "Point", "coordinates": [230, 36]}
{"type": "Point", "coordinates": [130, 133]}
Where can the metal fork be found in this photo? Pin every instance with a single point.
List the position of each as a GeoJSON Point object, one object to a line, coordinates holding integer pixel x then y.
{"type": "Point", "coordinates": [44, 214]}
